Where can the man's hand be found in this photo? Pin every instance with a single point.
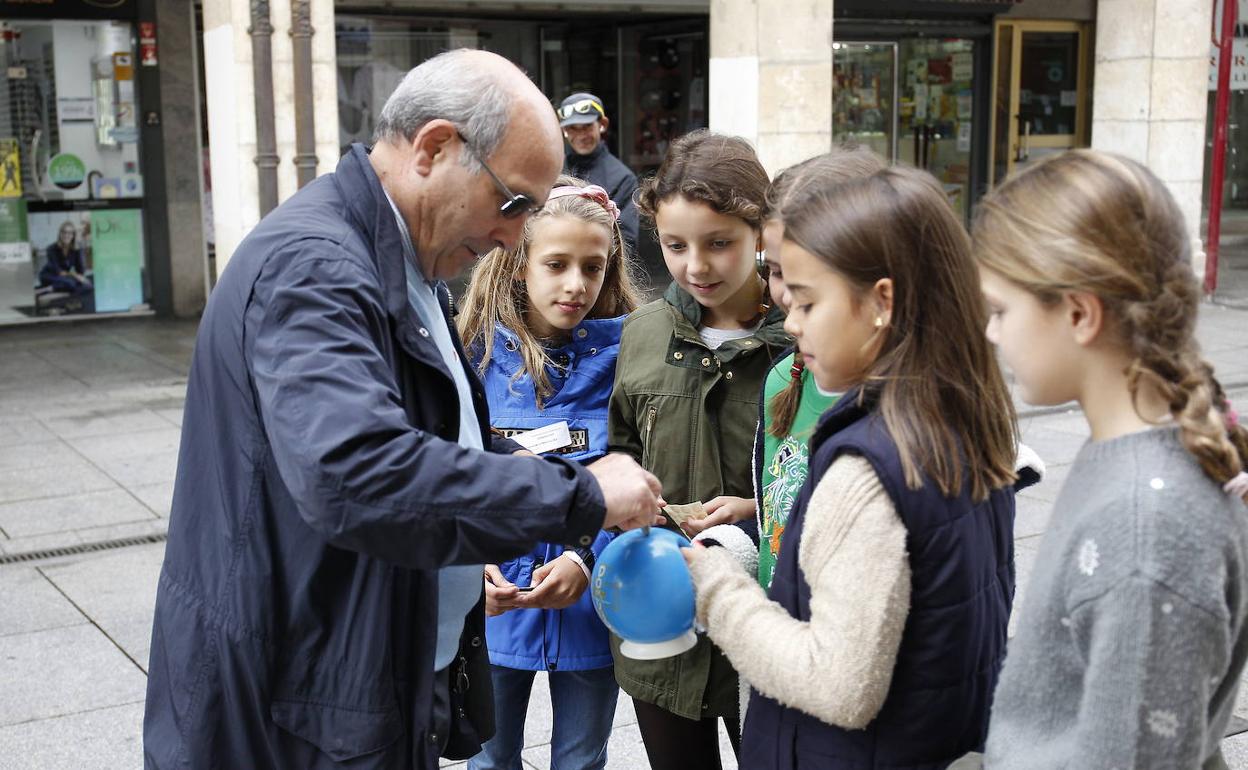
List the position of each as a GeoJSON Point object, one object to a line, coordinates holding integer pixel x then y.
{"type": "Point", "coordinates": [721, 510]}
{"type": "Point", "coordinates": [500, 595]}
{"type": "Point", "coordinates": [559, 583]}
{"type": "Point", "coordinates": [632, 495]}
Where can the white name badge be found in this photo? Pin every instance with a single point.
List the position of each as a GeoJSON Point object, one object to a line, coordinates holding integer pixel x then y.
{"type": "Point", "coordinates": [545, 439]}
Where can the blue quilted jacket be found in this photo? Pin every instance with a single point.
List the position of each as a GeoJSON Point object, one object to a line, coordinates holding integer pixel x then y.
{"type": "Point", "coordinates": [572, 639]}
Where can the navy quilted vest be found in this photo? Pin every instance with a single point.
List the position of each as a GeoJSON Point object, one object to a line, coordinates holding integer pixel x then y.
{"type": "Point", "coordinates": [962, 586]}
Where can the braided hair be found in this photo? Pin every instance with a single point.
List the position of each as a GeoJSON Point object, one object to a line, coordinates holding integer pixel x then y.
{"type": "Point", "coordinates": [1104, 224]}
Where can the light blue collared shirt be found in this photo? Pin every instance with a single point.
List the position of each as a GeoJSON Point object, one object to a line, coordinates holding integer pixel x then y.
{"type": "Point", "coordinates": [459, 586]}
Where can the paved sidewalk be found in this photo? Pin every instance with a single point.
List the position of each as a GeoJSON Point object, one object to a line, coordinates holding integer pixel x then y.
{"type": "Point", "coordinates": [90, 420]}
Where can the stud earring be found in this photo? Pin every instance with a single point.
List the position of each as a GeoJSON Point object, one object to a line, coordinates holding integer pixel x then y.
{"type": "Point", "coordinates": [879, 322]}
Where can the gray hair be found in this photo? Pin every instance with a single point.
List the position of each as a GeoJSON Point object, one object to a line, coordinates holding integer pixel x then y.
{"type": "Point", "coordinates": [451, 88]}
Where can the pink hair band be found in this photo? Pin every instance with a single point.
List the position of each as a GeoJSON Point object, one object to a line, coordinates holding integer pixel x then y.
{"type": "Point", "coordinates": [592, 192]}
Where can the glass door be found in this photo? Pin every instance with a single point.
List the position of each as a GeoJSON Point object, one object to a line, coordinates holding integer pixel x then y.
{"type": "Point", "coordinates": [1041, 93]}
{"type": "Point", "coordinates": [937, 111]}
{"type": "Point", "coordinates": [864, 104]}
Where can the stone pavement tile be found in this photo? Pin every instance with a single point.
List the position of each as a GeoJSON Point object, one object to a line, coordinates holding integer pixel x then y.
{"type": "Point", "coordinates": [1241, 698]}
{"type": "Point", "coordinates": [103, 739]}
{"type": "Point", "coordinates": [132, 443]}
{"type": "Point", "coordinates": [1055, 447]}
{"type": "Point", "coordinates": [19, 430]}
{"type": "Point", "coordinates": [134, 458]}
{"type": "Point", "coordinates": [1048, 487]}
{"type": "Point", "coordinates": [31, 454]}
{"type": "Point", "coordinates": [19, 396]}
{"type": "Point", "coordinates": [157, 497]}
{"type": "Point", "coordinates": [173, 415]}
{"type": "Point", "coordinates": [117, 592]}
{"type": "Point", "coordinates": [1233, 373]}
{"type": "Point", "coordinates": [625, 751]}
{"type": "Point", "coordinates": [69, 478]}
{"type": "Point", "coordinates": [153, 526]}
{"type": "Point", "coordinates": [24, 368]}
{"type": "Point", "coordinates": [97, 361]}
{"type": "Point", "coordinates": [1235, 751]}
{"type": "Point", "coordinates": [57, 514]}
{"type": "Point", "coordinates": [1068, 421]}
{"type": "Point", "coordinates": [102, 419]}
{"type": "Point", "coordinates": [1031, 516]}
{"type": "Point", "coordinates": [40, 542]}
{"type": "Point", "coordinates": [1220, 327]}
{"type": "Point", "coordinates": [63, 671]}
{"type": "Point", "coordinates": [31, 603]}
{"type": "Point", "coordinates": [1025, 551]}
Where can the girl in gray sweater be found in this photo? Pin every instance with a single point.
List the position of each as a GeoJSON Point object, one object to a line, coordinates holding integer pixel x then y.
{"type": "Point", "coordinates": [1132, 637]}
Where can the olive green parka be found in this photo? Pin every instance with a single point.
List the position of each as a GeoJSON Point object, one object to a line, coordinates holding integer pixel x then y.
{"type": "Point", "coordinates": [688, 414]}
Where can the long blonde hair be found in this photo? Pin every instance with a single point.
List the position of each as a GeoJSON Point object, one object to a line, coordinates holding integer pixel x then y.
{"type": "Point", "coordinates": [1103, 224]}
{"type": "Point", "coordinates": [496, 295]}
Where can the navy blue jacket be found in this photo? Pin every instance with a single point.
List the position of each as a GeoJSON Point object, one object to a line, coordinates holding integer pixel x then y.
{"type": "Point", "coordinates": [319, 490]}
{"type": "Point", "coordinates": [574, 638]}
{"type": "Point", "coordinates": [962, 587]}
{"type": "Point", "coordinates": [602, 168]}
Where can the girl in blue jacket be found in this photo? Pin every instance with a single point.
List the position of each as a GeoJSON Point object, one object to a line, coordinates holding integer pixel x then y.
{"type": "Point", "coordinates": [542, 325]}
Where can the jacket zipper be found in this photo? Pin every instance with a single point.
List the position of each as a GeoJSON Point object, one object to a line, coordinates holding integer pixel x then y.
{"type": "Point", "coordinates": [651, 415]}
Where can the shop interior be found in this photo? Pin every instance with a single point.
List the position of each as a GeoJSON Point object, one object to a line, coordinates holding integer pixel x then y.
{"type": "Point", "coordinates": [71, 185]}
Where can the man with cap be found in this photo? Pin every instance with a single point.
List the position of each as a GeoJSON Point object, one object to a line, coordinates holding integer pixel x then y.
{"type": "Point", "coordinates": [584, 123]}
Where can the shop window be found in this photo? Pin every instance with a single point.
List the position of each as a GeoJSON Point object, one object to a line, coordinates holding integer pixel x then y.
{"type": "Point", "coordinates": [70, 183]}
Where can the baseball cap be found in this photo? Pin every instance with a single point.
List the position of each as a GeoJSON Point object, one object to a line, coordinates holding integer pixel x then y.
{"type": "Point", "coordinates": [579, 109]}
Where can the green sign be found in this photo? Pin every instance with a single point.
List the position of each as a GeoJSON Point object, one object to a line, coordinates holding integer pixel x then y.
{"type": "Point", "coordinates": [117, 258]}
{"type": "Point", "coordinates": [14, 246]}
{"type": "Point", "coordinates": [66, 171]}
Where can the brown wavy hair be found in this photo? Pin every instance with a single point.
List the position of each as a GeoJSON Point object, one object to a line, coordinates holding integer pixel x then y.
{"type": "Point", "coordinates": [719, 170]}
{"type": "Point", "coordinates": [936, 380]}
{"type": "Point", "coordinates": [495, 296]}
{"type": "Point", "coordinates": [841, 164]}
{"type": "Point", "coordinates": [1103, 224]}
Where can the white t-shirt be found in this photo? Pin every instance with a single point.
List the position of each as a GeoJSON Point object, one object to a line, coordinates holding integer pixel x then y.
{"type": "Point", "coordinates": [716, 337]}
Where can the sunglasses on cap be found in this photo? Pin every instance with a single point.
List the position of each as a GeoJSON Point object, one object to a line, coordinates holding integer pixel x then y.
{"type": "Point", "coordinates": [583, 107]}
{"type": "Point", "coordinates": [516, 204]}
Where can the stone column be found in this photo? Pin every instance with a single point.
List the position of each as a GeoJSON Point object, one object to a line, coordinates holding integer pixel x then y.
{"type": "Point", "coordinates": [1150, 93]}
{"type": "Point", "coordinates": [771, 76]}
{"type": "Point", "coordinates": [179, 102]}
{"type": "Point", "coordinates": [230, 88]}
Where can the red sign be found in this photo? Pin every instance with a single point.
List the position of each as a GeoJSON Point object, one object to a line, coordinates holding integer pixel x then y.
{"type": "Point", "coordinates": [147, 43]}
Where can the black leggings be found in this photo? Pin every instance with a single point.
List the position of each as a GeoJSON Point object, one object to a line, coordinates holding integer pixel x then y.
{"type": "Point", "coordinates": [676, 743]}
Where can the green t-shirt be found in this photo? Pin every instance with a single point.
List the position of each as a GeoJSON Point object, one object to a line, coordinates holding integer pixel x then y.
{"type": "Point", "coordinates": [785, 461]}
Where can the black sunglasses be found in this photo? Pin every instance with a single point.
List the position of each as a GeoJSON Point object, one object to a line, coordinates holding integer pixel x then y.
{"type": "Point", "coordinates": [517, 204]}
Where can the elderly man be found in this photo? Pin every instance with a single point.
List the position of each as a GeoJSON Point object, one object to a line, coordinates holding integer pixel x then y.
{"type": "Point", "coordinates": [338, 486]}
{"type": "Point", "coordinates": [584, 122]}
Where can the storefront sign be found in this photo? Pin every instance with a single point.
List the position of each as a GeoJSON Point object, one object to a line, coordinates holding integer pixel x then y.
{"type": "Point", "coordinates": [147, 43]}
{"type": "Point", "coordinates": [14, 247]}
{"type": "Point", "coordinates": [74, 109]}
{"type": "Point", "coordinates": [1239, 51]}
{"type": "Point", "coordinates": [10, 169]}
{"type": "Point", "coordinates": [117, 255]}
{"type": "Point", "coordinates": [1239, 66]}
{"type": "Point", "coordinates": [66, 171]}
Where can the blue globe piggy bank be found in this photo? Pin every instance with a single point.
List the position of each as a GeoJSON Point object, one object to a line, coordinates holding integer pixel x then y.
{"type": "Point", "coordinates": [643, 592]}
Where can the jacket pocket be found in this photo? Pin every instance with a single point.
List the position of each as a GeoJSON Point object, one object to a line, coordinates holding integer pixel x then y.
{"type": "Point", "coordinates": [652, 416]}
{"type": "Point", "coordinates": [341, 733]}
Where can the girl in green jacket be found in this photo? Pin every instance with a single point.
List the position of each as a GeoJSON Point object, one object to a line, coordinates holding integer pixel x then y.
{"type": "Point", "coordinates": [791, 404]}
{"type": "Point", "coordinates": [685, 403]}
